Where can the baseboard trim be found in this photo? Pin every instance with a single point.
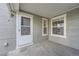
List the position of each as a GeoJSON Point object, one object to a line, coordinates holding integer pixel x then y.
{"type": "Point", "coordinates": [24, 45]}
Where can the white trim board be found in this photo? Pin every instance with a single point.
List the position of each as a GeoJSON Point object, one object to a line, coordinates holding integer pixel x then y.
{"type": "Point", "coordinates": [43, 26]}
{"type": "Point", "coordinates": [62, 36]}
{"type": "Point", "coordinates": [17, 27]}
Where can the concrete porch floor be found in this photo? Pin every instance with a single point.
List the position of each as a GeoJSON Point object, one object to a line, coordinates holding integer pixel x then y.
{"type": "Point", "coordinates": [45, 48]}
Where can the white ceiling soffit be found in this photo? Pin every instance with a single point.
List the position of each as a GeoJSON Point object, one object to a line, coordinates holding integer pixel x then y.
{"type": "Point", "coordinates": [47, 9]}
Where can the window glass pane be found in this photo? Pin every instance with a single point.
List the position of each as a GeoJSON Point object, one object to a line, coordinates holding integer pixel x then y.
{"type": "Point", "coordinates": [45, 30]}
{"type": "Point", "coordinates": [60, 23]}
{"type": "Point", "coordinates": [54, 30]}
{"type": "Point", "coordinates": [54, 23]}
{"type": "Point", "coordinates": [60, 31]}
{"type": "Point", "coordinates": [25, 21]}
{"type": "Point", "coordinates": [44, 24]}
{"type": "Point", "coordinates": [25, 30]}
{"type": "Point", "coordinates": [58, 26]}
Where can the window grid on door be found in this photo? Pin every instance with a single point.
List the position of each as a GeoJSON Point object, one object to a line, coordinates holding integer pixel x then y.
{"type": "Point", "coordinates": [25, 26]}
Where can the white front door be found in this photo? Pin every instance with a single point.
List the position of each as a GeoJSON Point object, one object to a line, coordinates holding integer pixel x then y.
{"type": "Point", "coordinates": [25, 30]}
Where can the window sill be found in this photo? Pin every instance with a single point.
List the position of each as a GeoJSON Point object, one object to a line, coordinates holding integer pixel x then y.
{"type": "Point", "coordinates": [44, 34]}
{"type": "Point", "coordinates": [58, 36]}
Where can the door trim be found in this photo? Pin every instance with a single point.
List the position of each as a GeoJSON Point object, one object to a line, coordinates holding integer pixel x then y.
{"type": "Point", "coordinates": [17, 28]}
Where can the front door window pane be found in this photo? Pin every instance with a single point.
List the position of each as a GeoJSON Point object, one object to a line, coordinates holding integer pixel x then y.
{"type": "Point", "coordinates": [25, 21]}
{"type": "Point", "coordinates": [25, 26]}
{"type": "Point", "coordinates": [25, 30]}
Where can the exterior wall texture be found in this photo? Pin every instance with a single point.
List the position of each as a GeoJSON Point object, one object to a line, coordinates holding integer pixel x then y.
{"type": "Point", "coordinates": [37, 30]}
{"type": "Point", "coordinates": [72, 30]}
{"type": "Point", "coordinates": [7, 30]}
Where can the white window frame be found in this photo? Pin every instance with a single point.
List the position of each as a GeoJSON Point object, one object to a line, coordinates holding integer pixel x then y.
{"type": "Point", "coordinates": [63, 36]}
{"type": "Point", "coordinates": [43, 26]}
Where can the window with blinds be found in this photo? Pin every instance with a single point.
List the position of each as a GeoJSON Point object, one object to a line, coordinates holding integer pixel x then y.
{"type": "Point", "coordinates": [58, 26]}
{"type": "Point", "coordinates": [44, 26]}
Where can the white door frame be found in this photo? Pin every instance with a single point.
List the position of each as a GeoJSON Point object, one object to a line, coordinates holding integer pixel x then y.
{"type": "Point", "coordinates": [17, 27]}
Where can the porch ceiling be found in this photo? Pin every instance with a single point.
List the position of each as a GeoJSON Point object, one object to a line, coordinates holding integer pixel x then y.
{"type": "Point", "coordinates": [47, 9]}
